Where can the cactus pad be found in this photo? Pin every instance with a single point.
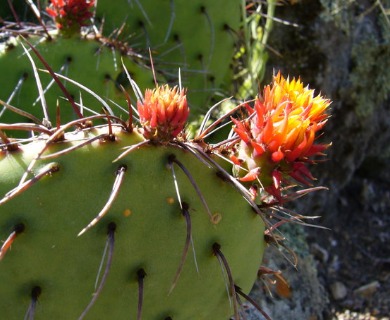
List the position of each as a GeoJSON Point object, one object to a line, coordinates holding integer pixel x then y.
{"type": "Point", "coordinates": [52, 272]}
{"type": "Point", "coordinates": [88, 62]}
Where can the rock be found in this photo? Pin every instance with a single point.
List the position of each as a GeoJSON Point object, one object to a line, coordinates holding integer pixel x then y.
{"type": "Point", "coordinates": [367, 290]}
{"type": "Point", "coordinates": [339, 290]}
{"type": "Point", "coordinates": [307, 298]}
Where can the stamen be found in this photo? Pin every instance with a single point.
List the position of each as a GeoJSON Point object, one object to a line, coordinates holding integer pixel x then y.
{"type": "Point", "coordinates": [19, 228]}
{"type": "Point", "coordinates": [120, 174]}
{"type": "Point", "coordinates": [110, 244]}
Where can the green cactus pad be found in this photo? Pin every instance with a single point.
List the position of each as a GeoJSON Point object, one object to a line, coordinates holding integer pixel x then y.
{"type": "Point", "coordinates": [48, 257]}
{"type": "Point", "coordinates": [197, 36]}
{"type": "Point", "coordinates": [86, 61]}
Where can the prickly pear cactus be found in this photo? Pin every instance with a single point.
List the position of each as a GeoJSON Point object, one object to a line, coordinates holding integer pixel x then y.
{"type": "Point", "coordinates": [80, 61]}
{"type": "Point", "coordinates": [122, 215]}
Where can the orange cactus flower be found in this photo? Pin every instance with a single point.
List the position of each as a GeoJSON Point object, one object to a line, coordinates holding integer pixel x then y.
{"type": "Point", "coordinates": [278, 137]}
{"type": "Point", "coordinates": [70, 15]}
{"type": "Point", "coordinates": [163, 113]}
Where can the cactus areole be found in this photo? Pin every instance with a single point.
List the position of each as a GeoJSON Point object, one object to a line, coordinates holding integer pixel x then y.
{"type": "Point", "coordinates": [105, 223]}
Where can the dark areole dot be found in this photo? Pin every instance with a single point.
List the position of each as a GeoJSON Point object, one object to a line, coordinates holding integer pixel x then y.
{"type": "Point", "coordinates": [141, 274]}
{"type": "Point", "coordinates": [111, 227]}
{"type": "Point", "coordinates": [19, 228]}
{"type": "Point", "coordinates": [36, 292]}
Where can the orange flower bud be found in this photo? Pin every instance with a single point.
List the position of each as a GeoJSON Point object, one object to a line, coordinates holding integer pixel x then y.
{"type": "Point", "coordinates": [70, 15]}
{"type": "Point", "coordinates": [279, 135]}
{"type": "Point", "coordinates": [163, 113]}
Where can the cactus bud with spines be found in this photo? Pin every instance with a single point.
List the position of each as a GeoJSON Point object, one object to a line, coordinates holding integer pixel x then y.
{"type": "Point", "coordinates": [163, 113]}
{"type": "Point", "coordinates": [277, 140]}
{"type": "Point", "coordinates": [71, 15]}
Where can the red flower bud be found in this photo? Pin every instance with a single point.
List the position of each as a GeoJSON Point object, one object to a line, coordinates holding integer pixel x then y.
{"type": "Point", "coordinates": [163, 113]}
{"type": "Point", "coordinates": [70, 15]}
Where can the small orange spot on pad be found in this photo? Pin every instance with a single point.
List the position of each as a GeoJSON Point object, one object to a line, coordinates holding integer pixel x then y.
{"type": "Point", "coordinates": [127, 212]}
{"type": "Point", "coordinates": [170, 200]}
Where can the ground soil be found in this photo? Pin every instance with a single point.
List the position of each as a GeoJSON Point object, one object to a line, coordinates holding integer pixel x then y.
{"type": "Point", "coordinates": [357, 251]}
